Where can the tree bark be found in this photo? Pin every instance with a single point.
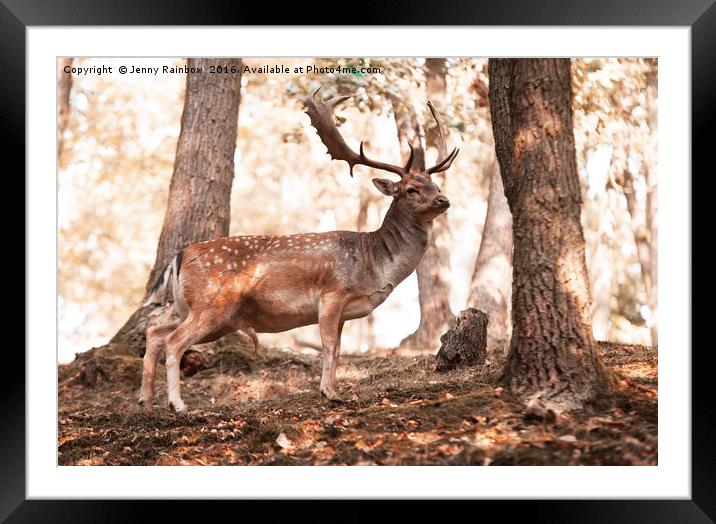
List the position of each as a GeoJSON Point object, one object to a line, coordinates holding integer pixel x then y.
{"type": "Point", "coordinates": [200, 189]}
{"type": "Point", "coordinates": [652, 196]}
{"type": "Point", "coordinates": [465, 344]}
{"type": "Point", "coordinates": [408, 128]}
{"type": "Point", "coordinates": [553, 356]}
{"type": "Point", "coordinates": [433, 271]}
{"type": "Point", "coordinates": [491, 284]}
{"type": "Point", "coordinates": [64, 86]}
{"type": "Point", "coordinates": [640, 228]}
{"type": "Point", "coordinates": [600, 269]}
{"type": "Point", "coordinates": [644, 220]}
{"type": "Point", "coordinates": [366, 330]}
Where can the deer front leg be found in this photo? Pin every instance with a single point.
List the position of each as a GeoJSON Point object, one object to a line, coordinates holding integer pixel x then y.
{"type": "Point", "coordinates": [330, 326]}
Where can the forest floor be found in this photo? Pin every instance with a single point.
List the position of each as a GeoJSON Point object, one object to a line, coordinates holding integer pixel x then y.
{"type": "Point", "coordinates": [395, 410]}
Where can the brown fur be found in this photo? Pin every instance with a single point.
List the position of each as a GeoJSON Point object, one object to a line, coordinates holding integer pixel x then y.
{"type": "Point", "coordinates": [270, 284]}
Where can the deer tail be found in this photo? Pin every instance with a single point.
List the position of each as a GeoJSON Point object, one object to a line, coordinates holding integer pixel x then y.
{"type": "Point", "coordinates": [169, 276]}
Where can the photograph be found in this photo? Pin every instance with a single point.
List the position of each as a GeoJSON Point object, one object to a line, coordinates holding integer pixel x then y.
{"type": "Point", "coordinates": [357, 261]}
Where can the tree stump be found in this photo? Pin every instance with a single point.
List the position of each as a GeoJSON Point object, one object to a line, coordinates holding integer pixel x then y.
{"type": "Point", "coordinates": [466, 343]}
{"type": "Point", "coordinates": [233, 353]}
{"type": "Point", "coordinates": [111, 363]}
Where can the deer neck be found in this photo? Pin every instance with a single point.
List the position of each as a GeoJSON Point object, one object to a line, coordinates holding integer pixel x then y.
{"type": "Point", "coordinates": [398, 245]}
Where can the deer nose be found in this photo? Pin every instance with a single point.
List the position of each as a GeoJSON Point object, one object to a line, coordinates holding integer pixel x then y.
{"type": "Point", "coordinates": [442, 201]}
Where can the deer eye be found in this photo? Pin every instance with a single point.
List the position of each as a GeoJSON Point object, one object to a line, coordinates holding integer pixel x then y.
{"type": "Point", "coordinates": [412, 191]}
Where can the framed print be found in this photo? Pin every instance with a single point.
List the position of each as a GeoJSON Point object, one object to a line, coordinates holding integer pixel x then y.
{"type": "Point", "coordinates": [364, 254]}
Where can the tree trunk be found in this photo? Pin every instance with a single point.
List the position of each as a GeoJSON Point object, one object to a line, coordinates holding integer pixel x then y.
{"type": "Point", "coordinates": [644, 220]}
{"type": "Point", "coordinates": [200, 189]}
{"type": "Point", "coordinates": [600, 269]}
{"type": "Point", "coordinates": [433, 271]}
{"type": "Point", "coordinates": [553, 356]}
{"type": "Point", "coordinates": [64, 86]}
{"type": "Point", "coordinates": [408, 128]}
{"type": "Point", "coordinates": [651, 198]}
{"type": "Point", "coordinates": [640, 229]}
{"type": "Point", "coordinates": [366, 330]}
{"type": "Point", "coordinates": [491, 283]}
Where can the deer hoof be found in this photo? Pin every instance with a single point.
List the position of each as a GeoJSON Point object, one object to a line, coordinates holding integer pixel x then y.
{"type": "Point", "coordinates": [329, 394]}
{"type": "Point", "coordinates": [145, 403]}
{"type": "Point", "coordinates": [178, 407]}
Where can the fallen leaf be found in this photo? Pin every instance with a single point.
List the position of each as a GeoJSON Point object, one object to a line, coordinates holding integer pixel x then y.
{"type": "Point", "coordinates": [282, 440]}
{"type": "Point", "coordinates": [535, 410]}
{"type": "Point", "coordinates": [568, 438]}
{"type": "Point", "coordinates": [364, 446]}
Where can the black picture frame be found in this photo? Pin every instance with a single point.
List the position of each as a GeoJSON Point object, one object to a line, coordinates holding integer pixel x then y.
{"type": "Point", "coordinates": [699, 15]}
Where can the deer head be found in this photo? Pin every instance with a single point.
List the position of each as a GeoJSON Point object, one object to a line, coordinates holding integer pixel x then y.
{"type": "Point", "coordinates": [415, 192]}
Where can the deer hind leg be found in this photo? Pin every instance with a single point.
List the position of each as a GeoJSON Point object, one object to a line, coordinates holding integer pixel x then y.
{"type": "Point", "coordinates": [330, 326]}
{"type": "Point", "coordinates": [156, 337]}
{"type": "Point", "coordinates": [336, 352]}
{"type": "Point", "coordinates": [194, 329]}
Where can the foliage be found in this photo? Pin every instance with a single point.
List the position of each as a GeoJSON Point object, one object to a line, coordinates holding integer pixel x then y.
{"type": "Point", "coordinates": [119, 153]}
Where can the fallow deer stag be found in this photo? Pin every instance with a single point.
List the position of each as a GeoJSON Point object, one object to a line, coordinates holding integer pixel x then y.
{"type": "Point", "coordinates": [269, 284]}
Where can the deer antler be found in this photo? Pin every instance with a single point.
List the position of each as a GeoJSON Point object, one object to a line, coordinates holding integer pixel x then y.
{"type": "Point", "coordinates": [321, 115]}
{"type": "Point", "coordinates": [444, 160]}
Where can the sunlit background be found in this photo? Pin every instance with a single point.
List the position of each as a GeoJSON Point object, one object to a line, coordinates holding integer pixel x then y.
{"type": "Point", "coordinates": [118, 157]}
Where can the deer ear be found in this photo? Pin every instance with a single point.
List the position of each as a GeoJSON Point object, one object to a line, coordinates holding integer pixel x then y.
{"type": "Point", "coordinates": [385, 186]}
